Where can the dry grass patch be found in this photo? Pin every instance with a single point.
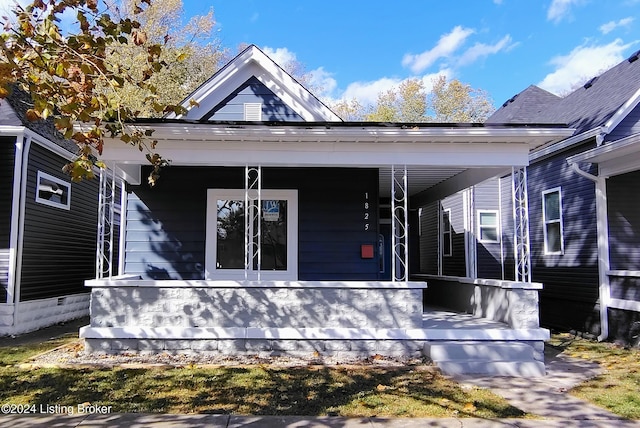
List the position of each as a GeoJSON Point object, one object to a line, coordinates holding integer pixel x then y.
{"type": "Point", "coordinates": [618, 388]}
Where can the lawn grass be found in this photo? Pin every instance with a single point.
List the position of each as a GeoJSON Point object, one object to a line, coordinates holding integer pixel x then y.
{"type": "Point", "coordinates": [618, 388]}
{"type": "Point", "coordinates": [347, 390]}
{"type": "Point", "coordinates": [256, 390]}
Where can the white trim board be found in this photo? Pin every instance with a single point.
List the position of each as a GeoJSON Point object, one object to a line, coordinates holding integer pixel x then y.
{"type": "Point", "coordinates": [270, 333]}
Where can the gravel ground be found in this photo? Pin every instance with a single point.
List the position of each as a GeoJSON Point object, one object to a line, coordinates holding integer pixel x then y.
{"type": "Point", "coordinates": [72, 355]}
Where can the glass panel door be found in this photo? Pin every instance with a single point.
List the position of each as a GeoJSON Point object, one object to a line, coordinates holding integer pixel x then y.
{"type": "Point", "coordinates": [227, 237]}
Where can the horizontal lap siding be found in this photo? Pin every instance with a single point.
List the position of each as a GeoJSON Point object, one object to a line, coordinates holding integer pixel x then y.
{"type": "Point", "coordinates": [455, 265]}
{"type": "Point", "coordinates": [253, 91]}
{"type": "Point", "coordinates": [429, 239]}
{"type": "Point", "coordinates": [624, 221]}
{"type": "Point", "coordinates": [487, 197]}
{"type": "Point", "coordinates": [630, 125]}
{"type": "Point", "coordinates": [506, 226]}
{"type": "Point", "coordinates": [165, 235]}
{"type": "Point", "coordinates": [331, 223]}
{"type": "Point", "coordinates": [59, 245]}
{"type": "Point", "coordinates": [7, 156]}
{"type": "Point", "coordinates": [570, 294]}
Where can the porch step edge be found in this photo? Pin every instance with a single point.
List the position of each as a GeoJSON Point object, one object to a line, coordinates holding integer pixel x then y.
{"type": "Point", "coordinates": [511, 351]}
{"type": "Point", "coordinates": [494, 368]}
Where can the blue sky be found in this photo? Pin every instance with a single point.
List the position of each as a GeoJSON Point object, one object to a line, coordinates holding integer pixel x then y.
{"type": "Point", "coordinates": [357, 48]}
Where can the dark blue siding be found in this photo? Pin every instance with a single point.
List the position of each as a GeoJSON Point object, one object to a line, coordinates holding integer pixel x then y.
{"type": "Point", "coordinates": [455, 265]}
{"type": "Point", "coordinates": [253, 91]}
{"type": "Point", "coordinates": [630, 125]}
{"type": "Point", "coordinates": [570, 294]}
{"type": "Point", "coordinates": [487, 197]}
{"type": "Point", "coordinates": [506, 226]}
{"type": "Point", "coordinates": [429, 239]}
{"type": "Point", "coordinates": [626, 288]}
{"type": "Point", "coordinates": [624, 221]}
{"type": "Point", "coordinates": [59, 245]}
{"type": "Point", "coordinates": [166, 225]}
{"type": "Point", "coordinates": [7, 156]}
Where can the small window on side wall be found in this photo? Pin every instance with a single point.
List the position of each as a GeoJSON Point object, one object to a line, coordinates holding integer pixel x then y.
{"type": "Point", "coordinates": [53, 191]}
{"type": "Point", "coordinates": [552, 219]}
{"type": "Point", "coordinates": [488, 230]}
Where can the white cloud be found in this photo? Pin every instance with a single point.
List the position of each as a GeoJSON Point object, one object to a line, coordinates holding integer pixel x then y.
{"type": "Point", "coordinates": [320, 78]}
{"type": "Point", "coordinates": [367, 92]}
{"type": "Point", "coordinates": [582, 63]}
{"type": "Point", "coordinates": [281, 56]}
{"type": "Point", "coordinates": [560, 9]}
{"type": "Point", "coordinates": [612, 25]}
{"type": "Point", "coordinates": [481, 50]}
{"type": "Point", "coordinates": [446, 46]}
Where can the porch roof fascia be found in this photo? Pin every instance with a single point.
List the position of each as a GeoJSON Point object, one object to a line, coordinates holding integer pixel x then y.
{"type": "Point", "coordinates": [359, 144]}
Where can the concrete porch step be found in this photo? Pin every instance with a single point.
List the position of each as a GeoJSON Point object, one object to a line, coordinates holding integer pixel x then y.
{"type": "Point", "coordinates": [488, 357]}
{"type": "Point", "coordinates": [494, 368]}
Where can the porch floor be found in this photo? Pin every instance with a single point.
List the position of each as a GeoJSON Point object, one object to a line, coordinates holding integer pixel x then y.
{"type": "Point", "coordinates": [434, 318]}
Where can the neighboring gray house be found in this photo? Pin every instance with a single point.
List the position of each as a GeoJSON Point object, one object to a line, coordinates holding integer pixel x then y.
{"type": "Point", "coordinates": [584, 217]}
{"type": "Point", "coordinates": [278, 228]}
{"type": "Point", "coordinates": [48, 225]}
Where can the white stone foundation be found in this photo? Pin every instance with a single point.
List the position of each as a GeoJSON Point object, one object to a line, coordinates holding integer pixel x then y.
{"type": "Point", "coordinates": [36, 314]}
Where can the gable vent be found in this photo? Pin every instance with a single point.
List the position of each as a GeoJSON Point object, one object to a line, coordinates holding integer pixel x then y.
{"type": "Point", "coordinates": [253, 112]}
{"type": "Point", "coordinates": [634, 56]}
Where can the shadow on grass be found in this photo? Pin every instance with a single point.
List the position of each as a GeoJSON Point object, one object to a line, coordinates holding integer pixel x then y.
{"type": "Point", "coordinates": [257, 390]}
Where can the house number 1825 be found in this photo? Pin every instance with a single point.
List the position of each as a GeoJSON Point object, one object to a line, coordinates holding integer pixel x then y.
{"type": "Point", "coordinates": [366, 210]}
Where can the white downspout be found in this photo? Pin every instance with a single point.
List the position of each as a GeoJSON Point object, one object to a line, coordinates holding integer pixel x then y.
{"type": "Point", "coordinates": [20, 227]}
{"type": "Point", "coordinates": [603, 247]}
{"type": "Point", "coordinates": [15, 218]}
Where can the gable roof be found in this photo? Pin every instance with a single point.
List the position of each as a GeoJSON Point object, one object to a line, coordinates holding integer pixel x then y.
{"type": "Point", "coordinates": [601, 102]}
{"type": "Point", "coordinates": [525, 107]}
{"type": "Point", "coordinates": [252, 62]}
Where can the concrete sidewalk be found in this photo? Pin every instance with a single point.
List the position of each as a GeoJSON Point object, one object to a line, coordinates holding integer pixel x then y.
{"type": "Point", "coordinates": [233, 421]}
{"type": "Point", "coordinates": [546, 397]}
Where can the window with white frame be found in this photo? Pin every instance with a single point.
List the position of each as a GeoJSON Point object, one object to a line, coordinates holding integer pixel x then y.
{"type": "Point", "coordinates": [552, 219]}
{"type": "Point", "coordinates": [447, 247]}
{"type": "Point", "coordinates": [488, 226]}
{"type": "Point", "coordinates": [53, 191]}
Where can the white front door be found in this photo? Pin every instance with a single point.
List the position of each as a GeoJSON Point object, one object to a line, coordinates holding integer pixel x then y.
{"type": "Point", "coordinates": [228, 241]}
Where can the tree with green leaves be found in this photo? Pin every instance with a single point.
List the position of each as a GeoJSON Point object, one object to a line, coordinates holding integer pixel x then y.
{"type": "Point", "coordinates": [90, 73]}
{"type": "Point", "coordinates": [454, 101]}
{"type": "Point", "coordinates": [448, 101]}
{"type": "Point", "coordinates": [406, 103]}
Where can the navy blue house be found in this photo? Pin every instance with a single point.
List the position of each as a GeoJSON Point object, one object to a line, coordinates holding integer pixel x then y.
{"type": "Point", "coordinates": [48, 225]}
{"type": "Point", "coordinates": [584, 219]}
{"type": "Point", "coordinates": [280, 227]}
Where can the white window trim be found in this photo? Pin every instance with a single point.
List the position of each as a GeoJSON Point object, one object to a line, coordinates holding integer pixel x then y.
{"type": "Point", "coordinates": [560, 220]}
{"type": "Point", "coordinates": [496, 227]}
{"type": "Point", "coordinates": [211, 271]}
{"type": "Point", "coordinates": [47, 202]}
{"type": "Point", "coordinates": [447, 232]}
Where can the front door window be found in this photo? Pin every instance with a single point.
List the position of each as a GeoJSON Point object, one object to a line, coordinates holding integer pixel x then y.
{"type": "Point", "coordinates": [229, 241]}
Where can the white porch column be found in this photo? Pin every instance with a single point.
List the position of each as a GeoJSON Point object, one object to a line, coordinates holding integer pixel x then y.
{"type": "Point", "coordinates": [104, 248]}
{"type": "Point", "coordinates": [252, 217]}
{"type": "Point", "coordinates": [399, 224]}
{"type": "Point", "coordinates": [521, 246]}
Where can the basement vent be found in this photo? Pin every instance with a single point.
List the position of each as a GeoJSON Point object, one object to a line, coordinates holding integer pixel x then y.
{"type": "Point", "coordinates": [253, 112]}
